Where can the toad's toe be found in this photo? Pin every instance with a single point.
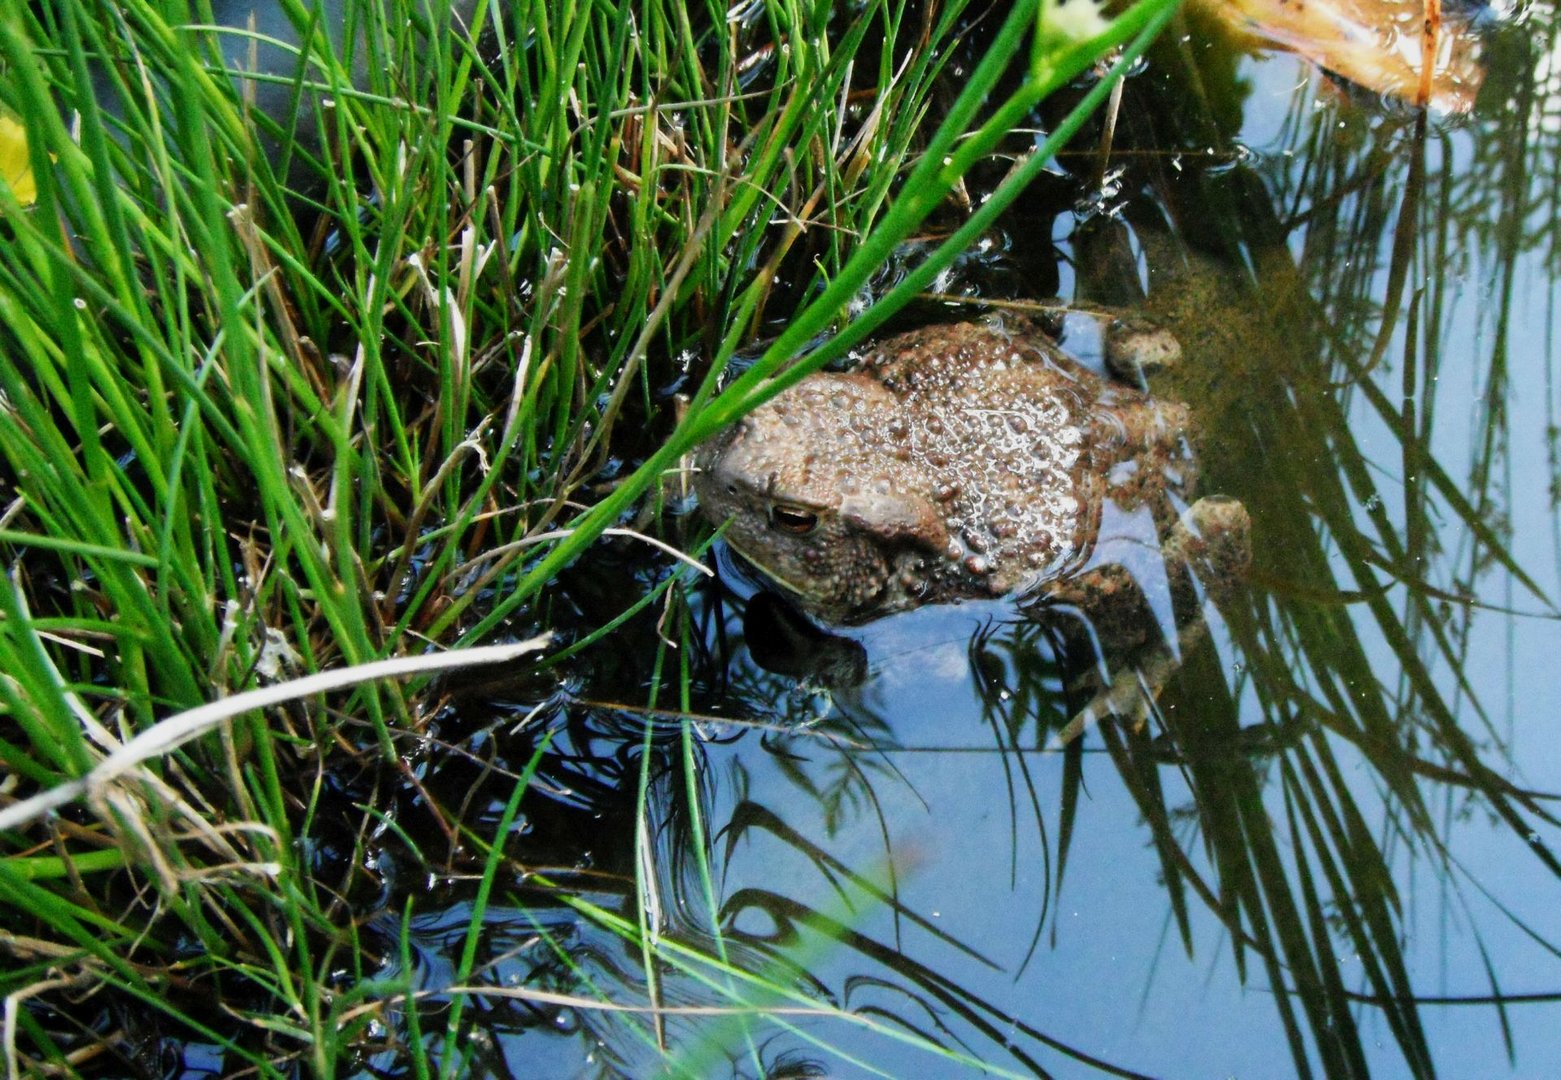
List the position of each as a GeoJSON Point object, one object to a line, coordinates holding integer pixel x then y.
{"type": "Point", "coordinates": [1214, 537]}
{"type": "Point", "coordinates": [1137, 348]}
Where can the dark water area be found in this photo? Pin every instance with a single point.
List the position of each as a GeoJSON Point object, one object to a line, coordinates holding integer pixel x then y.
{"type": "Point", "coordinates": [1326, 848]}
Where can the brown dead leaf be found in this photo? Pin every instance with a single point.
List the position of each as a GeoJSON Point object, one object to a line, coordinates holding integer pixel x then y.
{"type": "Point", "coordinates": [1379, 44]}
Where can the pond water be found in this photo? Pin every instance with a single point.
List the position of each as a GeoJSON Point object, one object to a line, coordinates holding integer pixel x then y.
{"type": "Point", "coordinates": [1326, 850]}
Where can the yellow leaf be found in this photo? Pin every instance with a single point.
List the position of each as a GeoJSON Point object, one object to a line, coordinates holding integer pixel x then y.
{"type": "Point", "coordinates": [15, 168]}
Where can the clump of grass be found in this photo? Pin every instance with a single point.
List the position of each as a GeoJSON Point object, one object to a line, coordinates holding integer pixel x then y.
{"type": "Point", "coordinates": [289, 393]}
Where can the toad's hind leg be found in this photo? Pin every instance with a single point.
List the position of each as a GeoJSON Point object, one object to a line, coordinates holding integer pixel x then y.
{"type": "Point", "coordinates": [1207, 552]}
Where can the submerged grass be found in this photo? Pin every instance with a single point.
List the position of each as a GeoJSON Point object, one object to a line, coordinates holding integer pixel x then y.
{"type": "Point", "coordinates": [281, 398]}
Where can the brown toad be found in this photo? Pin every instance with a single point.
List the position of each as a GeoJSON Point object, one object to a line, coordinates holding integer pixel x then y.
{"type": "Point", "coordinates": [959, 461]}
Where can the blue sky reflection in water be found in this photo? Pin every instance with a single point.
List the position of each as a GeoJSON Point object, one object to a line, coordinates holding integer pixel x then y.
{"type": "Point", "coordinates": [949, 801]}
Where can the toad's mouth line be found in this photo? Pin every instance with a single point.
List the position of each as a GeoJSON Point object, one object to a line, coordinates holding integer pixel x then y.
{"type": "Point", "coordinates": [770, 575]}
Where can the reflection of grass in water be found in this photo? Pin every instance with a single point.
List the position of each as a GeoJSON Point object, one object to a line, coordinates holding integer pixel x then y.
{"type": "Point", "coordinates": [1306, 880]}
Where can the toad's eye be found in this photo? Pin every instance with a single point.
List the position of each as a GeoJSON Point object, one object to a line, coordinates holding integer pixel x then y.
{"type": "Point", "coordinates": [796, 520]}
